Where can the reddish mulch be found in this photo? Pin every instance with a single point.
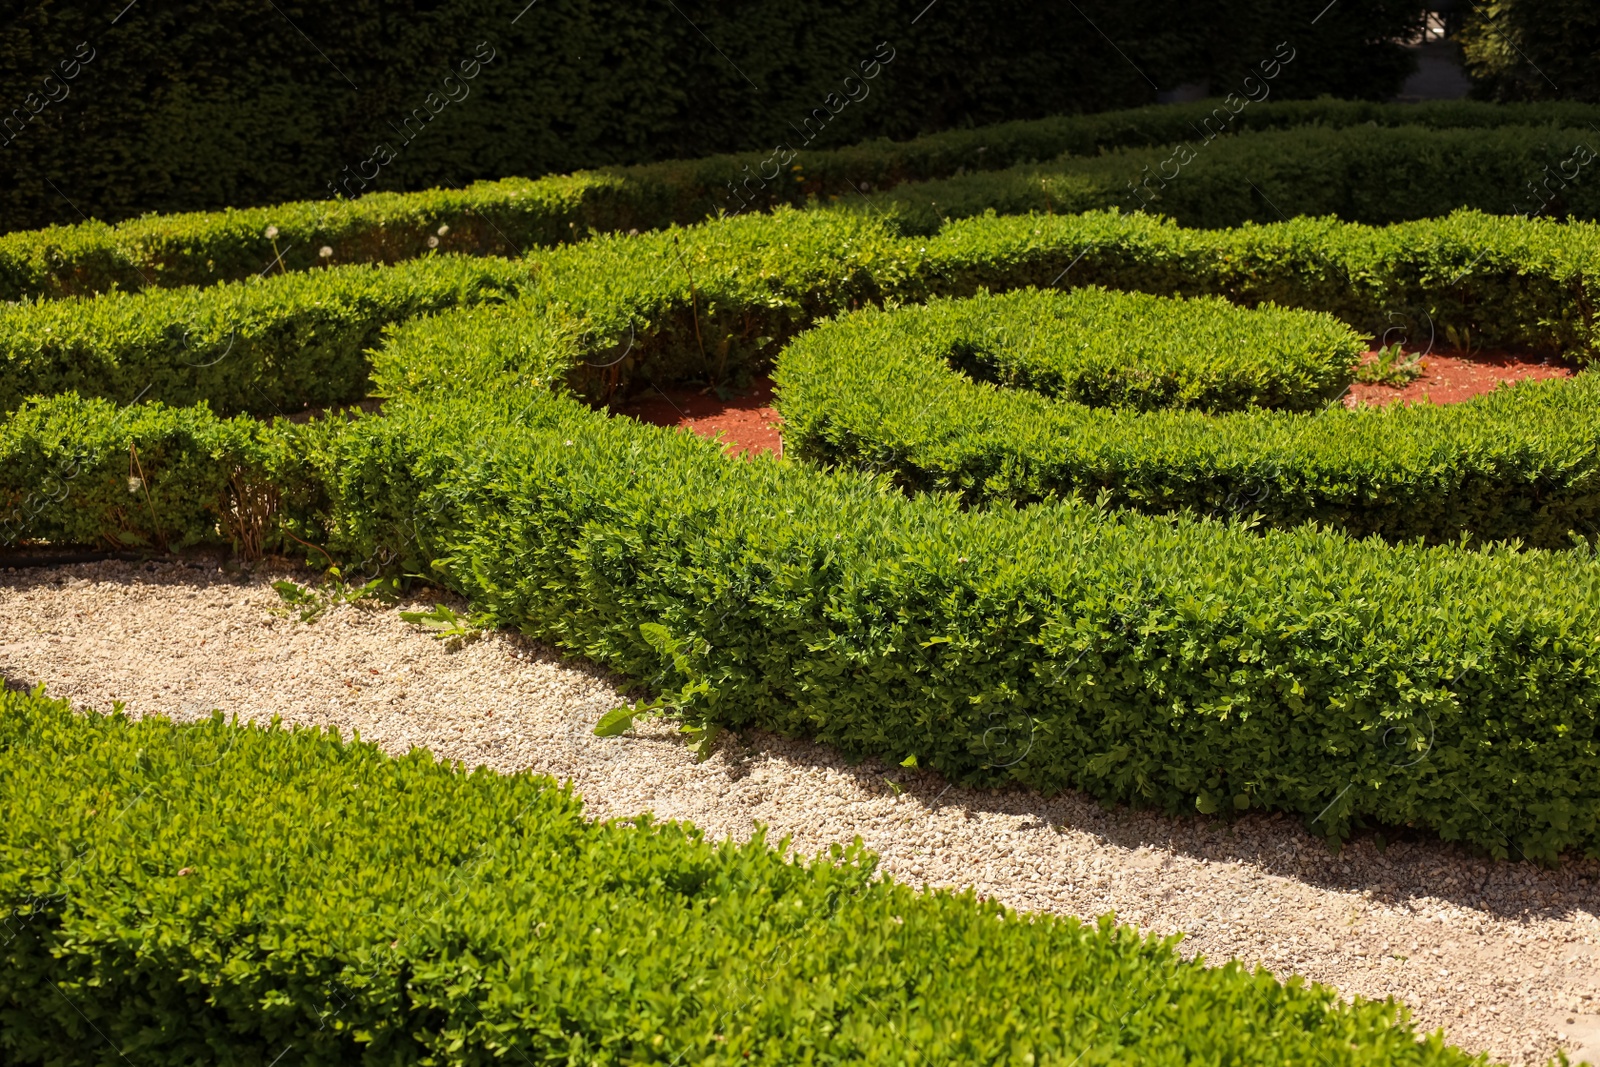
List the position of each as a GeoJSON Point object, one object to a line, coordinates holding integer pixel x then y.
{"type": "Point", "coordinates": [1458, 376]}
{"type": "Point", "coordinates": [747, 421]}
{"type": "Point", "coordinates": [749, 424]}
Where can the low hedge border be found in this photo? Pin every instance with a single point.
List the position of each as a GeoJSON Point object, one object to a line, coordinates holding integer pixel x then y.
{"type": "Point", "coordinates": [1178, 663]}
{"type": "Point", "coordinates": [1166, 661]}
{"type": "Point", "coordinates": [264, 346]}
{"type": "Point", "coordinates": [716, 301]}
{"type": "Point", "coordinates": [154, 883]}
{"type": "Point", "coordinates": [512, 216]}
{"type": "Point", "coordinates": [1090, 346]}
{"type": "Point", "coordinates": [1468, 280]}
{"type": "Point", "coordinates": [880, 391]}
{"type": "Point", "coordinates": [1358, 174]}
{"type": "Point", "coordinates": [81, 471]}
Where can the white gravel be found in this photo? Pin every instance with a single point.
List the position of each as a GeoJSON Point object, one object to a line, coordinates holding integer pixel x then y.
{"type": "Point", "coordinates": [1504, 956]}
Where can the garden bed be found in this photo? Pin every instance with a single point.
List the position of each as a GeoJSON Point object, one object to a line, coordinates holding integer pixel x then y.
{"type": "Point", "coordinates": [1451, 377]}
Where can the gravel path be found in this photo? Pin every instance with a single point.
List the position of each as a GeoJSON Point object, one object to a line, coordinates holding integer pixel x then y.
{"type": "Point", "coordinates": [1505, 957]}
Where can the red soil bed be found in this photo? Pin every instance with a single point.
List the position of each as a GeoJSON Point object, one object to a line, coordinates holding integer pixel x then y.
{"type": "Point", "coordinates": [749, 424]}
{"type": "Point", "coordinates": [1458, 376]}
{"type": "Point", "coordinates": [747, 421]}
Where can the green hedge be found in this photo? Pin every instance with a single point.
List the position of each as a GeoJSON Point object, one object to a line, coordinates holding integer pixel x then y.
{"type": "Point", "coordinates": [1358, 174]}
{"type": "Point", "coordinates": [1176, 663]}
{"type": "Point", "coordinates": [715, 303]}
{"type": "Point", "coordinates": [878, 390]}
{"type": "Point", "coordinates": [270, 345]}
{"type": "Point", "coordinates": [1466, 280]}
{"type": "Point", "coordinates": [87, 472]}
{"type": "Point", "coordinates": [202, 248]}
{"type": "Point", "coordinates": [155, 889]}
{"type": "Point", "coordinates": [512, 216]}
{"type": "Point", "coordinates": [1168, 661]}
{"type": "Point", "coordinates": [1125, 350]}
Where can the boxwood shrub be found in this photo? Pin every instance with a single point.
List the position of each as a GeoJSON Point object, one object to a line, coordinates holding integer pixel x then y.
{"type": "Point", "coordinates": [84, 471]}
{"type": "Point", "coordinates": [512, 216]}
{"type": "Point", "coordinates": [1359, 174]}
{"type": "Point", "coordinates": [270, 345]}
{"type": "Point", "coordinates": [1178, 662]}
{"type": "Point", "coordinates": [155, 889]}
{"type": "Point", "coordinates": [883, 391]}
{"type": "Point", "coordinates": [716, 301]}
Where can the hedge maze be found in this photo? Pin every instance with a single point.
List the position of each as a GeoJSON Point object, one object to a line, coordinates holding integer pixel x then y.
{"type": "Point", "coordinates": [1069, 502]}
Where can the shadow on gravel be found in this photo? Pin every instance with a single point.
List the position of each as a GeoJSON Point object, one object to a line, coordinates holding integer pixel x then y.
{"type": "Point", "coordinates": [1413, 867]}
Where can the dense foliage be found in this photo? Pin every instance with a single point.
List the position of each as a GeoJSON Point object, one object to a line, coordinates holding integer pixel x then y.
{"type": "Point", "coordinates": [1534, 49]}
{"type": "Point", "coordinates": [267, 345]}
{"type": "Point", "coordinates": [513, 216]}
{"type": "Point", "coordinates": [715, 302]}
{"type": "Point", "coordinates": [1030, 530]}
{"type": "Point", "coordinates": [1359, 174]}
{"type": "Point", "coordinates": [1174, 662]}
{"type": "Point", "coordinates": [880, 391]}
{"type": "Point", "coordinates": [191, 106]}
{"type": "Point", "coordinates": [155, 882]}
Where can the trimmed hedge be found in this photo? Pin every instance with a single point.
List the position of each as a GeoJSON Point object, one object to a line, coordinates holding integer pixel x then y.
{"type": "Point", "coordinates": [155, 883]}
{"type": "Point", "coordinates": [1107, 349]}
{"type": "Point", "coordinates": [716, 303]}
{"type": "Point", "coordinates": [1358, 174]}
{"type": "Point", "coordinates": [1177, 663]}
{"type": "Point", "coordinates": [266, 346]}
{"type": "Point", "coordinates": [1467, 280]}
{"type": "Point", "coordinates": [1167, 661]}
{"type": "Point", "coordinates": [511, 216]}
{"type": "Point", "coordinates": [202, 248]}
{"type": "Point", "coordinates": [85, 471]}
{"type": "Point", "coordinates": [879, 391]}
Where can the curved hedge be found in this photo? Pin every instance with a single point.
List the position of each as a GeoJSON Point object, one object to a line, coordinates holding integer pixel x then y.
{"type": "Point", "coordinates": [1362, 174]}
{"type": "Point", "coordinates": [1169, 661]}
{"type": "Point", "coordinates": [714, 302]}
{"type": "Point", "coordinates": [514, 215]}
{"type": "Point", "coordinates": [880, 391]}
{"type": "Point", "coordinates": [155, 884]}
{"type": "Point", "coordinates": [269, 345]}
{"type": "Point", "coordinates": [1131, 350]}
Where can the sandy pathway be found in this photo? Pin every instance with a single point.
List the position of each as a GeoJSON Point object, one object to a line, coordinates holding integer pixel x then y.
{"type": "Point", "coordinates": [1505, 957]}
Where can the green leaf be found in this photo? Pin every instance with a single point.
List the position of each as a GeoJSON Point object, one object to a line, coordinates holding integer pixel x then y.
{"type": "Point", "coordinates": [290, 593]}
{"type": "Point", "coordinates": [658, 637]}
{"type": "Point", "coordinates": [614, 722]}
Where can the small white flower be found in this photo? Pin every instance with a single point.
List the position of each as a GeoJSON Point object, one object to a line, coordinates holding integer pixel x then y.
{"type": "Point", "coordinates": [444, 228]}
{"type": "Point", "coordinates": [569, 442]}
{"type": "Point", "coordinates": [433, 242]}
{"type": "Point", "coordinates": [134, 484]}
{"type": "Point", "coordinates": [325, 251]}
{"type": "Point", "coordinates": [272, 231]}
